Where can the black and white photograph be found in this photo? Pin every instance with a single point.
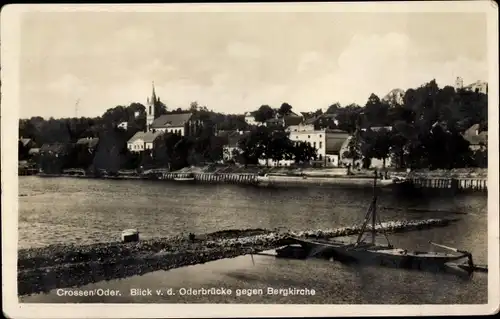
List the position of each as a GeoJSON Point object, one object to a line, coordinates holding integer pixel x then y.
{"type": "Point", "coordinates": [284, 159]}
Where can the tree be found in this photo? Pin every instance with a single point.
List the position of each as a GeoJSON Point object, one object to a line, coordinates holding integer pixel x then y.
{"type": "Point", "coordinates": [303, 152]}
{"type": "Point", "coordinates": [348, 118]}
{"type": "Point", "coordinates": [382, 142]}
{"type": "Point", "coordinates": [285, 109]}
{"type": "Point", "coordinates": [280, 146]}
{"type": "Point", "coordinates": [353, 151]}
{"type": "Point", "coordinates": [333, 109]}
{"type": "Point", "coordinates": [264, 113]}
{"type": "Point", "coordinates": [376, 112]}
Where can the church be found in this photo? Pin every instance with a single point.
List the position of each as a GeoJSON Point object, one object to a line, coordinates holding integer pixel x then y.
{"type": "Point", "coordinates": [182, 123]}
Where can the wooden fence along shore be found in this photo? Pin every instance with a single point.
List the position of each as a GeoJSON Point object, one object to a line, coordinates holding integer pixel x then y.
{"type": "Point", "coordinates": [454, 184]}
{"type": "Point", "coordinates": [245, 179]}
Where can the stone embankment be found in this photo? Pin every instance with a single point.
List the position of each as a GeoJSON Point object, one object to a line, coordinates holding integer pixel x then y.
{"type": "Point", "coordinates": [43, 269]}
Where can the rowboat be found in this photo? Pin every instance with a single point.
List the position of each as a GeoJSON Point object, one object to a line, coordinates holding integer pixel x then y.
{"type": "Point", "coordinates": [183, 179]}
{"type": "Point", "coordinates": [371, 252]}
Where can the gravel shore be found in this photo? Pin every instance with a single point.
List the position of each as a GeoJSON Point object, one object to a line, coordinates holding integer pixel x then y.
{"type": "Point", "coordinates": [55, 266]}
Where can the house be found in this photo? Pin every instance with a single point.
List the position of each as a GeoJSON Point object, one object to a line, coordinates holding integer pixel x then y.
{"type": "Point", "coordinates": [142, 141]}
{"type": "Point", "coordinates": [377, 128]}
{"type": "Point", "coordinates": [277, 119]}
{"type": "Point", "coordinates": [177, 123]}
{"type": "Point", "coordinates": [55, 149]}
{"type": "Point", "coordinates": [335, 139]}
{"type": "Point", "coordinates": [322, 121]}
{"type": "Point", "coordinates": [28, 143]}
{"type": "Point", "coordinates": [89, 142]}
{"type": "Point", "coordinates": [250, 119]}
{"type": "Point", "coordinates": [478, 140]}
{"type": "Point", "coordinates": [33, 151]}
{"type": "Point", "coordinates": [478, 86]}
{"type": "Point", "coordinates": [292, 121]}
{"type": "Point", "coordinates": [123, 125]}
{"type": "Point", "coordinates": [275, 122]}
{"type": "Point", "coordinates": [326, 142]}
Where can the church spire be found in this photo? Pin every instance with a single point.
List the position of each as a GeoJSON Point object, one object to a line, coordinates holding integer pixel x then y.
{"type": "Point", "coordinates": [153, 96]}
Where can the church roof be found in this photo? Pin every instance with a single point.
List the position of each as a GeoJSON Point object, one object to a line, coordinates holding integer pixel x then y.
{"type": "Point", "coordinates": [171, 120]}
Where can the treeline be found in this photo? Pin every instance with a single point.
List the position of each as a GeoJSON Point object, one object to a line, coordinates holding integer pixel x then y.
{"type": "Point", "coordinates": [425, 131]}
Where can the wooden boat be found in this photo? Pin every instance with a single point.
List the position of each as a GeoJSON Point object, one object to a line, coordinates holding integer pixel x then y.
{"type": "Point", "coordinates": [370, 252]}
{"type": "Point", "coordinates": [183, 179]}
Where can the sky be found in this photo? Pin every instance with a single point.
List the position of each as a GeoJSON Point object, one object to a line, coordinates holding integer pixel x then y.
{"type": "Point", "coordinates": [234, 62]}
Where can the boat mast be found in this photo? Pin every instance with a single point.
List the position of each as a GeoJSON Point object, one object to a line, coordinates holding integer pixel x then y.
{"type": "Point", "coordinates": [374, 207]}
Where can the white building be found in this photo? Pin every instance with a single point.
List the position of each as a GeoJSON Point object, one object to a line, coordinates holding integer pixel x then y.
{"type": "Point", "coordinates": [142, 141]}
{"type": "Point", "coordinates": [327, 143]}
{"type": "Point", "coordinates": [478, 86]}
{"type": "Point", "coordinates": [250, 119]}
{"type": "Point", "coordinates": [459, 83]}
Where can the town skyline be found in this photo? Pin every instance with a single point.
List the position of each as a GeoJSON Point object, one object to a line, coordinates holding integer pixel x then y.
{"type": "Point", "coordinates": [248, 60]}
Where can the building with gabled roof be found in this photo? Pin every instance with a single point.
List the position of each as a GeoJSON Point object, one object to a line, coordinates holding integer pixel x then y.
{"type": "Point", "coordinates": [478, 140]}
{"type": "Point", "coordinates": [176, 123]}
{"type": "Point", "coordinates": [142, 141]}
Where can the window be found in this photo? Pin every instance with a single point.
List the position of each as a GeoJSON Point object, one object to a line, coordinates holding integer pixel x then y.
{"type": "Point", "coordinates": [320, 157]}
{"type": "Point", "coordinates": [329, 159]}
{"type": "Point", "coordinates": [308, 136]}
{"type": "Point", "coordinates": [314, 144]}
{"type": "Point", "coordinates": [320, 135]}
{"type": "Point", "coordinates": [320, 144]}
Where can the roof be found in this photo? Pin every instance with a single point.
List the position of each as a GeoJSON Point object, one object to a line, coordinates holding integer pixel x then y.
{"type": "Point", "coordinates": [328, 116]}
{"type": "Point", "coordinates": [292, 120]}
{"type": "Point", "coordinates": [25, 141]}
{"type": "Point", "coordinates": [378, 128]}
{"type": "Point", "coordinates": [147, 137]}
{"type": "Point", "coordinates": [335, 140]}
{"type": "Point", "coordinates": [171, 120]}
{"type": "Point", "coordinates": [312, 120]}
{"type": "Point", "coordinates": [476, 139]}
{"type": "Point", "coordinates": [477, 83]}
{"type": "Point", "coordinates": [89, 141]}
{"type": "Point", "coordinates": [54, 148]}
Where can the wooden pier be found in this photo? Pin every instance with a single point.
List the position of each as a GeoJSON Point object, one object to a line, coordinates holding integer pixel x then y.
{"type": "Point", "coordinates": [453, 184]}
{"type": "Point", "coordinates": [209, 178]}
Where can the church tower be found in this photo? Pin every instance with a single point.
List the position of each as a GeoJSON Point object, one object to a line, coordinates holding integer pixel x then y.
{"type": "Point", "coordinates": [150, 109]}
{"type": "Point", "coordinates": [459, 83]}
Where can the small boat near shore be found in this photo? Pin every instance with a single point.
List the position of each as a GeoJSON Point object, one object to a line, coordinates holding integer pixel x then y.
{"type": "Point", "coordinates": [184, 178]}
{"type": "Point", "coordinates": [371, 252]}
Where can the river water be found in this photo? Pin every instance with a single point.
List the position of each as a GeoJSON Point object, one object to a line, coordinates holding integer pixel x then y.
{"type": "Point", "coordinates": [64, 210]}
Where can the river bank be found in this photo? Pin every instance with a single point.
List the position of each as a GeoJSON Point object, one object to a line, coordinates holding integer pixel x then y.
{"type": "Point", "coordinates": [46, 268]}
